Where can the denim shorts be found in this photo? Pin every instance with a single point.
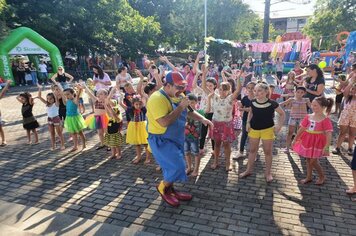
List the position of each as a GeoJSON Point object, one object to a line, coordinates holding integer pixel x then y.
{"type": "Point", "coordinates": [191, 146]}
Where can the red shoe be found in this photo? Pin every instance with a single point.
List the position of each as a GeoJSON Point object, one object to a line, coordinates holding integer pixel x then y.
{"type": "Point", "coordinates": [168, 197]}
{"type": "Point", "coordinates": [180, 196]}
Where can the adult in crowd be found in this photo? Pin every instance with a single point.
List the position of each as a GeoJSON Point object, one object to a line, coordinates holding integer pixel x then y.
{"type": "Point", "coordinates": [122, 78]}
{"type": "Point", "coordinates": [43, 72]}
{"type": "Point", "coordinates": [33, 70]}
{"type": "Point", "coordinates": [101, 79]}
{"type": "Point", "coordinates": [188, 72]}
{"type": "Point", "coordinates": [166, 115]}
{"type": "Point", "coordinates": [62, 77]}
{"type": "Point", "coordinates": [248, 72]}
{"type": "Point", "coordinates": [315, 82]}
{"type": "Point", "coordinates": [21, 73]}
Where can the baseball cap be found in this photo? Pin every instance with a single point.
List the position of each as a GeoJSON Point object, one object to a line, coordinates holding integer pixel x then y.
{"type": "Point", "coordinates": [175, 78]}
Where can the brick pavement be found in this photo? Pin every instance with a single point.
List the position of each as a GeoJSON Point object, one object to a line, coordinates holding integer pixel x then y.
{"type": "Point", "coordinates": [90, 186]}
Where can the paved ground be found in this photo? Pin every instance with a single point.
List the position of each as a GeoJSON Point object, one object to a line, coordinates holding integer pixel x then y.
{"type": "Point", "coordinates": [89, 186]}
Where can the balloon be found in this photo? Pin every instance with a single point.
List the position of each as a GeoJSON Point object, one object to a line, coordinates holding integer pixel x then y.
{"type": "Point", "coordinates": [322, 64]}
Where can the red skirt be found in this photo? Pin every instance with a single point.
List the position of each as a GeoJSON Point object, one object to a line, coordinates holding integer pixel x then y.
{"type": "Point", "coordinates": [222, 131]}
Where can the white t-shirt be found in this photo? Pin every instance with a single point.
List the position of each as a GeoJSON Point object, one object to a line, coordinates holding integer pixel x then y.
{"type": "Point", "coordinates": [123, 80]}
{"type": "Point", "coordinates": [43, 68]}
{"type": "Point", "coordinates": [222, 108]}
{"type": "Point", "coordinates": [99, 85]}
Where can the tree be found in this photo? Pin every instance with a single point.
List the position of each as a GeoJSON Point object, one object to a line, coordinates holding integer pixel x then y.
{"type": "Point", "coordinates": [3, 28]}
{"type": "Point", "coordinates": [84, 26]}
{"type": "Point", "coordinates": [182, 22]}
{"type": "Point", "coordinates": [330, 18]}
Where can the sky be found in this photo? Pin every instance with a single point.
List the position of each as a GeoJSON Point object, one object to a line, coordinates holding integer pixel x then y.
{"type": "Point", "coordinates": [282, 8]}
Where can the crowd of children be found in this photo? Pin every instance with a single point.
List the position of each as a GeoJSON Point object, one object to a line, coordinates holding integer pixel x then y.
{"type": "Point", "coordinates": [235, 102]}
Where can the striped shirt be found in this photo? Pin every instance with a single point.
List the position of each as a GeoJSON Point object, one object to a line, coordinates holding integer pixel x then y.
{"type": "Point", "coordinates": [299, 109]}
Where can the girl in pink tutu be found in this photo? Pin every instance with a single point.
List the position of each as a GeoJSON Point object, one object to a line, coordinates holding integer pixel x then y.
{"type": "Point", "coordinates": [223, 132]}
{"type": "Point", "coordinates": [313, 138]}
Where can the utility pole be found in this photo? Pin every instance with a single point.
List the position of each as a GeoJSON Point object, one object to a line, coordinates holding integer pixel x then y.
{"type": "Point", "coordinates": [266, 27]}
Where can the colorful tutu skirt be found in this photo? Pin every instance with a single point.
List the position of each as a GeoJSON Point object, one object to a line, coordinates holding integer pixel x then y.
{"type": "Point", "coordinates": [97, 121]}
{"type": "Point", "coordinates": [113, 140]}
{"type": "Point", "coordinates": [74, 124]}
{"type": "Point", "coordinates": [136, 133]}
{"type": "Point", "coordinates": [222, 131]}
{"type": "Point", "coordinates": [311, 145]}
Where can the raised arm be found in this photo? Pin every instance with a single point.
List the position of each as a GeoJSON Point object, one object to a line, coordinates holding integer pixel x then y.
{"type": "Point", "coordinates": [39, 96]}
{"type": "Point", "coordinates": [139, 85]}
{"type": "Point", "coordinates": [89, 92]}
{"type": "Point", "coordinates": [196, 63]}
{"type": "Point", "coordinates": [165, 59]}
{"type": "Point", "coordinates": [53, 78]}
{"type": "Point", "coordinates": [204, 71]}
{"type": "Point", "coordinates": [3, 91]}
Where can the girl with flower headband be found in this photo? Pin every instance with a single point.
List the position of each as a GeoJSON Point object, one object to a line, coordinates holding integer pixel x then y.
{"type": "Point", "coordinates": [136, 130]}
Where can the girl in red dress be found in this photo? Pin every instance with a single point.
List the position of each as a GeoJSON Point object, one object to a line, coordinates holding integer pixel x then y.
{"type": "Point", "coordinates": [313, 138]}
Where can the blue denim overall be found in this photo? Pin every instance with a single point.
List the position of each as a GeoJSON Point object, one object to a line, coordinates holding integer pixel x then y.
{"type": "Point", "coordinates": [168, 148]}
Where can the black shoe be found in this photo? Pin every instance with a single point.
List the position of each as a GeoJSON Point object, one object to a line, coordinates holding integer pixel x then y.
{"type": "Point", "coordinates": [336, 151]}
{"type": "Point", "coordinates": [99, 147]}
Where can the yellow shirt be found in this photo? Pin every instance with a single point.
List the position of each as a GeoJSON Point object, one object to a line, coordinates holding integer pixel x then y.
{"type": "Point", "coordinates": [158, 106]}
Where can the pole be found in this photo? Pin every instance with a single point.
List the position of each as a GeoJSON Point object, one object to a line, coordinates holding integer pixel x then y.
{"type": "Point", "coordinates": [266, 27]}
{"type": "Point", "coordinates": [205, 33]}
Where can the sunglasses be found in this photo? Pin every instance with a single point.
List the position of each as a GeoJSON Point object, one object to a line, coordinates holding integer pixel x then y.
{"type": "Point", "coordinates": [180, 87]}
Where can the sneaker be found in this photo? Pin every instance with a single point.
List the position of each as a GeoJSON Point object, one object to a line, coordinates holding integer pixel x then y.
{"type": "Point", "coordinates": [336, 151]}
{"type": "Point", "coordinates": [350, 152]}
{"type": "Point", "coordinates": [238, 156]}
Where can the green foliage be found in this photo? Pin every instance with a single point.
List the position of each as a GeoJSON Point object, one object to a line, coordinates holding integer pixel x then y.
{"type": "Point", "coordinates": [182, 22]}
{"type": "Point", "coordinates": [330, 18]}
{"type": "Point", "coordinates": [83, 26]}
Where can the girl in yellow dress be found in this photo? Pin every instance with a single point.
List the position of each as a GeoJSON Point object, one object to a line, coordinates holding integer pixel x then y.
{"type": "Point", "coordinates": [136, 131]}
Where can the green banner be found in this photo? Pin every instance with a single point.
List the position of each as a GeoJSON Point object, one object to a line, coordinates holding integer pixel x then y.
{"type": "Point", "coordinates": [25, 41]}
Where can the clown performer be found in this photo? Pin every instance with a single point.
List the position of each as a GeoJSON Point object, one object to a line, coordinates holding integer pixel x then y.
{"type": "Point", "coordinates": [167, 110]}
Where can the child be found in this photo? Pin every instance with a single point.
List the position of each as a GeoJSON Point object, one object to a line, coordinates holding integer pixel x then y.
{"type": "Point", "coordinates": [313, 138]}
{"type": "Point", "coordinates": [136, 131]}
{"type": "Point", "coordinates": [339, 89]}
{"type": "Point", "coordinates": [245, 107]}
{"type": "Point", "coordinates": [62, 111]}
{"type": "Point", "coordinates": [54, 122]}
{"type": "Point", "coordinates": [289, 85]}
{"type": "Point", "coordinates": [113, 137]}
{"type": "Point", "coordinates": [191, 142]}
{"type": "Point", "coordinates": [260, 125]}
{"type": "Point", "coordinates": [99, 120]}
{"type": "Point", "coordinates": [298, 111]}
{"type": "Point", "coordinates": [2, 134]}
{"type": "Point", "coordinates": [29, 121]}
{"type": "Point", "coordinates": [223, 132]}
{"type": "Point", "coordinates": [74, 122]}
{"type": "Point", "coordinates": [347, 121]}
{"type": "Point", "coordinates": [275, 96]}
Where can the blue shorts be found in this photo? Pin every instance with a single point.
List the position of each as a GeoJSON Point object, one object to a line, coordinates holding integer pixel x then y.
{"type": "Point", "coordinates": [81, 101]}
{"type": "Point", "coordinates": [191, 146]}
